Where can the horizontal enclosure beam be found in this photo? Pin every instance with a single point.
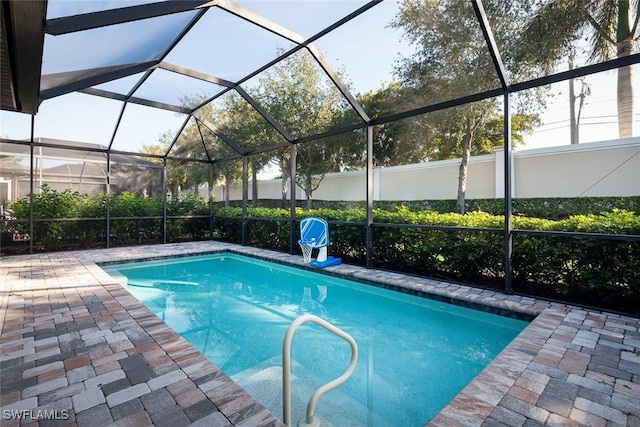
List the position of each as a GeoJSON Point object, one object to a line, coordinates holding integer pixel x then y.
{"type": "Point", "coordinates": [577, 72]}
{"type": "Point", "coordinates": [103, 18]}
{"type": "Point", "coordinates": [268, 117]}
{"type": "Point", "coordinates": [95, 77]}
{"type": "Point", "coordinates": [135, 100]}
{"type": "Point", "coordinates": [439, 106]}
{"type": "Point", "coordinates": [227, 139]}
{"type": "Point", "coordinates": [578, 235]}
{"type": "Point", "coordinates": [195, 74]}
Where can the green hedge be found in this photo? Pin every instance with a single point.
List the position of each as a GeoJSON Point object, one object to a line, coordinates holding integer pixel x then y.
{"type": "Point", "coordinates": [597, 272]}
{"type": "Point", "coordinates": [70, 220]}
{"type": "Point", "coordinates": [542, 207]}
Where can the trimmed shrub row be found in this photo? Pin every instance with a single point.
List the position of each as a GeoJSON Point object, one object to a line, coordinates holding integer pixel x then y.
{"type": "Point", "coordinates": [548, 207]}
{"type": "Point", "coordinates": [70, 220]}
{"type": "Point", "coordinates": [596, 272]}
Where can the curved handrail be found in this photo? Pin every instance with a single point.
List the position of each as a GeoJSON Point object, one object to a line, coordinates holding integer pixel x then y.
{"type": "Point", "coordinates": [286, 366]}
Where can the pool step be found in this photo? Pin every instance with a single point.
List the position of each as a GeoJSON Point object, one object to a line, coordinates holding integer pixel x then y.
{"type": "Point", "coordinates": [336, 409]}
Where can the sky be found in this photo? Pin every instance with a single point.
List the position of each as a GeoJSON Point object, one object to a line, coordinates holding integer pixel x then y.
{"type": "Point", "coordinates": [598, 120]}
{"type": "Point", "coordinates": [365, 49]}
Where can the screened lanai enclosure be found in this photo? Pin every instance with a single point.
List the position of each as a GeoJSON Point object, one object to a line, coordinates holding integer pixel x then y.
{"type": "Point", "coordinates": [486, 142]}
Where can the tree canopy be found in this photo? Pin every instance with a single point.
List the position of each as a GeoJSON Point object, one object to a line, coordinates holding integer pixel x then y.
{"type": "Point", "coordinates": [609, 28]}
{"type": "Point", "coordinates": [451, 61]}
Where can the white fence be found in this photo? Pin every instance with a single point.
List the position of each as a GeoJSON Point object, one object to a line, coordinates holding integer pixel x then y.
{"type": "Point", "coordinates": [606, 168]}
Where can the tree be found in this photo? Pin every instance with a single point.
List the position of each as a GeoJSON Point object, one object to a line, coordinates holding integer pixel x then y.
{"type": "Point", "coordinates": [610, 26]}
{"type": "Point", "coordinates": [451, 61]}
{"type": "Point", "coordinates": [400, 141]}
{"type": "Point", "coordinates": [230, 172]}
{"type": "Point", "coordinates": [182, 175]}
{"type": "Point", "coordinates": [298, 94]}
{"type": "Point", "coordinates": [232, 117]}
{"type": "Point", "coordinates": [238, 120]}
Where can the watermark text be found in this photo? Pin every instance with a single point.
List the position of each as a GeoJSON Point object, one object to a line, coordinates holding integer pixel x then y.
{"type": "Point", "coordinates": [35, 414]}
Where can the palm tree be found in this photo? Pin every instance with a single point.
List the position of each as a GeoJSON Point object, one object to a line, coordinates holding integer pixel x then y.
{"type": "Point", "coordinates": [609, 25]}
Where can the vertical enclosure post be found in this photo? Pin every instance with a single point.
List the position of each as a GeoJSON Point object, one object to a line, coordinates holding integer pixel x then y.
{"type": "Point", "coordinates": [164, 200]}
{"type": "Point", "coordinates": [508, 238]}
{"type": "Point", "coordinates": [292, 205]}
{"type": "Point", "coordinates": [108, 190]}
{"type": "Point", "coordinates": [501, 71]}
{"type": "Point", "coordinates": [31, 228]}
{"type": "Point", "coordinates": [369, 230]}
{"type": "Point", "coordinates": [245, 197]}
{"type": "Point", "coordinates": [211, 172]}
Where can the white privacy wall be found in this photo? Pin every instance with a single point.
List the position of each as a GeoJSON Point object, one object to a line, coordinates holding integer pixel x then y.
{"type": "Point", "coordinates": [606, 168]}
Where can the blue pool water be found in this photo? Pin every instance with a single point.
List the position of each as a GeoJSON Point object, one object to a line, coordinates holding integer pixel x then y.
{"type": "Point", "coordinates": [416, 353]}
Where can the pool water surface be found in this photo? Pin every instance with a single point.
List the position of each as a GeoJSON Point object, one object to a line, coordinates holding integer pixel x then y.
{"type": "Point", "coordinates": [415, 354]}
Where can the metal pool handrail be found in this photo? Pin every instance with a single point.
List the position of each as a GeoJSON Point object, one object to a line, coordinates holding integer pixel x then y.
{"type": "Point", "coordinates": [286, 368]}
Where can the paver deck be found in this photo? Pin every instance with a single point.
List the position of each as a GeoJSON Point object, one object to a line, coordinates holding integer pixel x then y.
{"type": "Point", "coordinates": [78, 347]}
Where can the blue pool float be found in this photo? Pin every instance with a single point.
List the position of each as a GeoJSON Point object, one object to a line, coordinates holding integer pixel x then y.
{"type": "Point", "coordinates": [329, 262]}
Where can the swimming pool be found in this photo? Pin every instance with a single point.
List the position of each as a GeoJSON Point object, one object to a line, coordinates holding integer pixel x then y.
{"type": "Point", "coordinates": [416, 354]}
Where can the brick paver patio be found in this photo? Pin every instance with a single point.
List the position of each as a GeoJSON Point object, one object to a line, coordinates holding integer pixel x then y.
{"type": "Point", "coordinates": [78, 346]}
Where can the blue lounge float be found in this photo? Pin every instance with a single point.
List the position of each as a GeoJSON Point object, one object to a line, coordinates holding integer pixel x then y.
{"type": "Point", "coordinates": [314, 233]}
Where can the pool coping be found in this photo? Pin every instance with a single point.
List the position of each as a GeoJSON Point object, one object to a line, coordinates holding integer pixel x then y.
{"type": "Point", "coordinates": [570, 365]}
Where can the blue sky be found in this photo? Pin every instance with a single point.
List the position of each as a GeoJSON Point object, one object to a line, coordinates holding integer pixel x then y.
{"type": "Point", "coordinates": [365, 49]}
